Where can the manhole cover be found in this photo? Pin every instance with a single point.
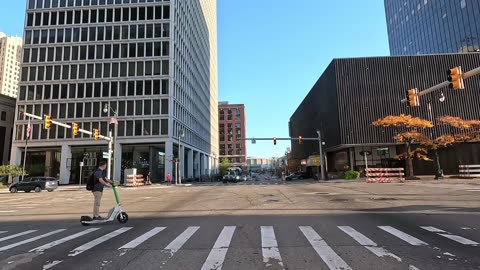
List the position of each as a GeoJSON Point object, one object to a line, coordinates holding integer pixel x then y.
{"type": "Point", "coordinates": [339, 200]}
{"type": "Point", "coordinates": [383, 199]}
{"type": "Point", "coordinates": [321, 193]}
{"type": "Point", "coordinates": [271, 201]}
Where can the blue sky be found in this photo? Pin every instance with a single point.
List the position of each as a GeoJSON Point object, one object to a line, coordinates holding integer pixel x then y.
{"type": "Point", "coordinates": [270, 54]}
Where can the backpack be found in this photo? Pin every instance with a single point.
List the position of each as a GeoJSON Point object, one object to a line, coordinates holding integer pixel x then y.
{"type": "Point", "coordinates": [91, 182]}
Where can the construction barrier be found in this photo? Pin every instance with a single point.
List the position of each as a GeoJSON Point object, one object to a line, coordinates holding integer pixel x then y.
{"type": "Point", "coordinates": [469, 171]}
{"type": "Point", "coordinates": [134, 180]}
{"type": "Point", "coordinates": [385, 175]}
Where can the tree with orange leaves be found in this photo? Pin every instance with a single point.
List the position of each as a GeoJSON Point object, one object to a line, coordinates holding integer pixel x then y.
{"type": "Point", "coordinates": [467, 130]}
{"type": "Point", "coordinates": [408, 131]}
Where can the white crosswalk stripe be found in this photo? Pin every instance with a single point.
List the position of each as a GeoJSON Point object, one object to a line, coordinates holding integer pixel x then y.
{"type": "Point", "coordinates": [30, 240]}
{"type": "Point", "coordinates": [97, 241]}
{"type": "Point", "coordinates": [142, 238]}
{"type": "Point", "coordinates": [325, 252]}
{"type": "Point", "coordinates": [367, 243]}
{"type": "Point", "coordinates": [456, 238]}
{"type": "Point", "coordinates": [16, 235]}
{"type": "Point", "coordinates": [63, 240]}
{"type": "Point", "coordinates": [219, 251]}
{"type": "Point", "coordinates": [270, 250]}
{"type": "Point", "coordinates": [405, 237]}
{"type": "Point", "coordinates": [177, 244]}
{"type": "Point", "coordinates": [2, 232]}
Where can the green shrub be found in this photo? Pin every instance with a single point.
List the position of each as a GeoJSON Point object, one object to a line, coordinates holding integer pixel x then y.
{"type": "Point", "coordinates": [351, 175]}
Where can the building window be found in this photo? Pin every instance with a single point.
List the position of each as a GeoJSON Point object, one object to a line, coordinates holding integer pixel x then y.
{"type": "Point", "coordinates": [3, 116]}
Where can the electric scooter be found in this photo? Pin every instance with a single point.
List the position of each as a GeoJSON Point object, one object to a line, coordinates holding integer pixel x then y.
{"type": "Point", "coordinates": [115, 212]}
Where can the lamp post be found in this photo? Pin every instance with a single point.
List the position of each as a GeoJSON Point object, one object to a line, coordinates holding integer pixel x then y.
{"type": "Point", "coordinates": [439, 173]}
{"type": "Point", "coordinates": [106, 109]}
{"type": "Point", "coordinates": [181, 134]}
{"type": "Point", "coordinates": [322, 161]}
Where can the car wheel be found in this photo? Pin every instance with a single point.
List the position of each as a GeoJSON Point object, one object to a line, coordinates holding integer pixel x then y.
{"type": "Point", "coordinates": [50, 190]}
{"type": "Point", "coordinates": [38, 189]}
{"type": "Point", "coordinates": [301, 177]}
{"type": "Point", "coordinates": [13, 190]}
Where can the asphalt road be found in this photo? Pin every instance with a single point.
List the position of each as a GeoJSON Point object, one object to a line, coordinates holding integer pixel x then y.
{"type": "Point", "coordinates": [271, 225]}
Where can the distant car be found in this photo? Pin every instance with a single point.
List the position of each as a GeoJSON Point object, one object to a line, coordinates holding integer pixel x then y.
{"type": "Point", "coordinates": [231, 177]}
{"type": "Point", "coordinates": [37, 184]}
{"type": "Point", "coordinates": [295, 176]}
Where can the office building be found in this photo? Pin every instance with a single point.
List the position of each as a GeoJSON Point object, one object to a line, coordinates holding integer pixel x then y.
{"type": "Point", "coordinates": [149, 65]}
{"type": "Point", "coordinates": [354, 92]}
{"type": "Point", "coordinates": [433, 26]}
{"type": "Point", "coordinates": [7, 113]}
{"type": "Point", "coordinates": [232, 125]}
{"type": "Point", "coordinates": [10, 57]}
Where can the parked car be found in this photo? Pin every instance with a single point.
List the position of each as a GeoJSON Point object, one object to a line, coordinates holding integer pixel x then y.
{"type": "Point", "coordinates": [37, 184]}
{"type": "Point", "coordinates": [295, 175]}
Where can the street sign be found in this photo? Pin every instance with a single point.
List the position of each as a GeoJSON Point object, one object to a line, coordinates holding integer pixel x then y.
{"type": "Point", "coordinates": [106, 155]}
{"type": "Point", "coordinates": [366, 153]}
{"type": "Point", "coordinates": [81, 163]}
{"type": "Point", "coordinates": [253, 141]}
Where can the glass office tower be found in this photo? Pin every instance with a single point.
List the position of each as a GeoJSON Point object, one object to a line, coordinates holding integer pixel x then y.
{"type": "Point", "coordinates": [433, 26]}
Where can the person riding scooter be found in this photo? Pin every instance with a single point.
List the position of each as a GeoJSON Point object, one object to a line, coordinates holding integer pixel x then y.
{"type": "Point", "coordinates": [100, 181]}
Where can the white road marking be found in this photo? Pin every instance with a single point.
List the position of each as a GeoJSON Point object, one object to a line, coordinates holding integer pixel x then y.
{"type": "Point", "coordinates": [142, 238]}
{"type": "Point", "coordinates": [219, 251]}
{"type": "Point", "coordinates": [50, 265]}
{"type": "Point", "coordinates": [30, 240]}
{"type": "Point", "coordinates": [97, 241]}
{"type": "Point", "coordinates": [8, 211]}
{"type": "Point", "coordinates": [63, 240]}
{"type": "Point", "coordinates": [456, 238]}
{"type": "Point", "coordinates": [367, 243]}
{"type": "Point", "coordinates": [2, 232]}
{"type": "Point", "coordinates": [405, 237]}
{"type": "Point", "coordinates": [15, 235]}
{"type": "Point", "coordinates": [327, 254]}
{"type": "Point", "coordinates": [270, 246]}
{"type": "Point", "coordinates": [177, 244]}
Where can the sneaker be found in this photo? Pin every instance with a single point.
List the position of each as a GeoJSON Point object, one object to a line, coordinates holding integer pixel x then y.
{"type": "Point", "coordinates": [97, 218]}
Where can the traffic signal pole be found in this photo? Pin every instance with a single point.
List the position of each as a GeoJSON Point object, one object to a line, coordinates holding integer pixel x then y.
{"type": "Point", "coordinates": [466, 75]}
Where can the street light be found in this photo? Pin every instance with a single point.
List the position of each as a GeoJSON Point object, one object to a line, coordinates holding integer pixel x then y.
{"type": "Point", "coordinates": [439, 174]}
{"type": "Point", "coordinates": [322, 161]}
{"type": "Point", "coordinates": [181, 134]}
{"type": "Point", "coordinates": [106, 109]}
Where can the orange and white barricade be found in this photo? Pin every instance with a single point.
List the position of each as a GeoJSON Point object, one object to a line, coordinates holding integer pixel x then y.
{"type": "Point", "coordinates": [385, 175]}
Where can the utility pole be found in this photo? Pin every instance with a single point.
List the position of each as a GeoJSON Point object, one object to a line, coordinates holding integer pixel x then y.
{"type": "Point", "coordinates": [439, 174]}
{"type": "Point", "coordinates": [322, 161]}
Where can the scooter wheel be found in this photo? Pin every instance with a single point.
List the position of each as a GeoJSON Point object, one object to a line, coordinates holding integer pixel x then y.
{"type": "Point", "coordinates": [122, 217]}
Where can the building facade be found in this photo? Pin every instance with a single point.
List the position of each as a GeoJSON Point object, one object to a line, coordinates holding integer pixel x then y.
{"type": "Point", "coordinates": [10, 57]}
{"type": "Point", "coordinates": [353, 93]}
{"type": "Point", "coordinates": [7, 114]}
{"type": "Point", "coordinates": [232, 125]}
{"type": "Point", "coordinates": [152, 65]}
{"type": "Point", "coordinates": [258, 164]}
{"type": "Point", "coordinates": [433, 26]}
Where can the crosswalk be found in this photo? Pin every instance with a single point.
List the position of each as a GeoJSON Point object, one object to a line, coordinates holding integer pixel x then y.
{"type": "Point", "coordinates": [274, 250]}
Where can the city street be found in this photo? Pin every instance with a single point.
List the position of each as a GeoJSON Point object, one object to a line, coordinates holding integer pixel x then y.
{"type": "Point", "coordinates": [267, 225]}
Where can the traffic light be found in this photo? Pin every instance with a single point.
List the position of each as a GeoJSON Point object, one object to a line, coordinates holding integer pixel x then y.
{"type": "Point", "coordinates": [48, 122]}
{"type": "Point", "coordinates": [455, 77]}
{"type": "Point", "coordinates": [300, 140]}
{"type": "Point", "coordinates": [412, 97]}
{"type": "Point", "coordinates": [96, 134]}
{"type": "Point", "coordinates": [274, 140]}
{"type": "Point", "coordinates": [75, 129]}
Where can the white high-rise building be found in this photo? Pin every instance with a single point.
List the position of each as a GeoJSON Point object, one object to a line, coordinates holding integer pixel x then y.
{"type": "Point", "coordinates": [152, 64]}
{"type": "Point", "coordinates": [10, 57]}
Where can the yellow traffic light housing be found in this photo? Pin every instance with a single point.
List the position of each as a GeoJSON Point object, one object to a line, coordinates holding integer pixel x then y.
{"type": "Point", "coordinates": [455, 77]}
{"type": "Point", "coordinates": [300, 140]}
{"type": "Point", "coordinates": [96, 134]}
{"type": "Point", "coordinates": [75, 129]}
{"type": "Point", "coordinates": [274, 140]}
{"type": "Point", "coordinates": [412, 97]}
{"type": "Point", "coordinates": [48, 122]}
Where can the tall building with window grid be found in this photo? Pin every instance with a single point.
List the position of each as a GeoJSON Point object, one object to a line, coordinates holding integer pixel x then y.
{"type": "Point", "coordinates": [10, 56]}
{"type": "Point", "coordinates": [433, 26]}
{"type": "Point", "coordinates": [232, 126]}
{"type": "Point", "coordinates": [153, 64]}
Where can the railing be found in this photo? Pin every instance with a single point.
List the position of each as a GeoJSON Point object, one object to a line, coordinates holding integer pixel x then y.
{"type": "Point", "coordinates": [469, 171]}
{"type": "Point", "coordinates": [385, 175]}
